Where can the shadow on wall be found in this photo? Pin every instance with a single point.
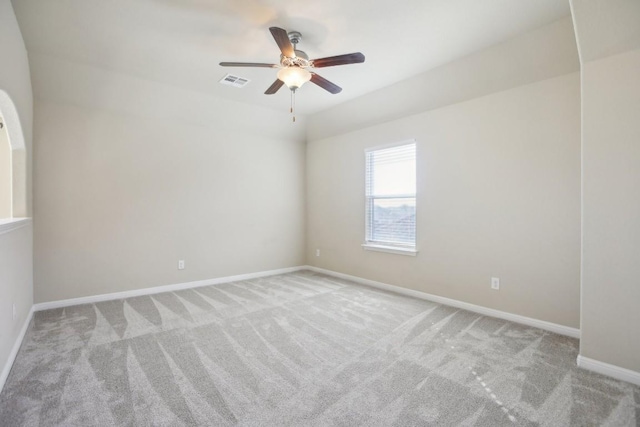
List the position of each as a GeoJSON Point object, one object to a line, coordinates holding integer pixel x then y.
{"type": "Point", "coordinates": [13, 191]}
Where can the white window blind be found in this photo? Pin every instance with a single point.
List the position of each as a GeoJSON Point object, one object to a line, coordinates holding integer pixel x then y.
{"type": "Point", "coordinates": [391, 196]}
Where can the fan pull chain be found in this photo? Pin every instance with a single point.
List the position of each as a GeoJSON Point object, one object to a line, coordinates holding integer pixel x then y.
{"type": "Point", "coordinates": [292, 110]}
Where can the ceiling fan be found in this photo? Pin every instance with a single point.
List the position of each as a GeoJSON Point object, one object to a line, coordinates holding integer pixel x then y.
{"type": "Point", "coordinates": [295, 64]}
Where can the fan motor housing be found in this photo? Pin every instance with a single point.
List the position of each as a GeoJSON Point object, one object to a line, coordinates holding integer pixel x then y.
{"type": "Point", "coordinates": [300, 60]}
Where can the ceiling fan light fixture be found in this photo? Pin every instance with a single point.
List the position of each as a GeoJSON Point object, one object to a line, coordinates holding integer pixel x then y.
{"type": "Point", "coordinates": [294, 77]}
{"type": "Point", "coordinates": [293, 68]}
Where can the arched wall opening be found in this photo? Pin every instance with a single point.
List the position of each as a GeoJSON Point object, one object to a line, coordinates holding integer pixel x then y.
{"type": "Point", "coordinates": [13, 162]}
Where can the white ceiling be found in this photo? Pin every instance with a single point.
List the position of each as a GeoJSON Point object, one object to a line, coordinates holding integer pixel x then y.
{"type": "Point", "coordinates": [181, 42]}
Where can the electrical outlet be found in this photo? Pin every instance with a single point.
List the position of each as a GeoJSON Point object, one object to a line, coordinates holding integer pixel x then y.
{"type": "Point", "coordinates": [181, 264]}
{"type": "Point", "coordinates": [495, 283]}
{"type": "Point", "coordinates": [317, 252]}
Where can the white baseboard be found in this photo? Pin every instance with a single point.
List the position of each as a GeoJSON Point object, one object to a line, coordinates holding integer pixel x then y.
{"type": "Point", "coordinates": [547, 326]}
{"type": "Point", "coordinates": [14, 351]}
{"type": "Point", "coordinates": [609, 370]}
{"type": "Point", "coordinates": [159, 289]}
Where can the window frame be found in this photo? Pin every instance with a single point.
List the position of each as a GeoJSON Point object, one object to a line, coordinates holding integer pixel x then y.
{"type": "Point", "coordinates": [385, 246]}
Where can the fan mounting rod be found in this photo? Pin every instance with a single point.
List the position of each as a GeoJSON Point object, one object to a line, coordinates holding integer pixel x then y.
{"type": "Point", "coordinates": [294, 37]}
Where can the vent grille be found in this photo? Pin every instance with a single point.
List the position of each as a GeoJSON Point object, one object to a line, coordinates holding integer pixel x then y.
{"type": "Point", "coordinates": [234, 81]}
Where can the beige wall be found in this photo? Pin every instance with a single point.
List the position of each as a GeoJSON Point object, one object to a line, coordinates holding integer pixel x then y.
{"type": "Point", "coordinates": [498, 195]}
{"type": "Point", "coordinates": [16, 286]}
{"type": "Point", "coordinates": [611, 210]}
{"type": "Point", "coordinates": [16, 254]}
{"type": "Point", "coordinates": [5, 174]}
{"type": "Point", "coordinates": [608, 34]}
{"type": "Point", "coordinates": [133, 176]}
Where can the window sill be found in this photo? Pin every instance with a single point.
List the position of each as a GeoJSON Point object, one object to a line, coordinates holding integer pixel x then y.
{"type": "Point", "coordinates": [389, 249]}
{"type": "Point", "coordinates": [9, 224]}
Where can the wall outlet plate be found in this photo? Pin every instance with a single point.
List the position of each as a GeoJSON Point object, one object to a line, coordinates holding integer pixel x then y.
{"type": "Point", "coordinates": [495, 283]}
{"type": "Point", "coordinates": [181, 264]}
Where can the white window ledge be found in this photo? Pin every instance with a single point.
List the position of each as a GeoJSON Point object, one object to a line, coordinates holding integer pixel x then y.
{"type": "Point", "coordinates": [390, 249]}
{"type": "Point", "coordinates": [9, 224]}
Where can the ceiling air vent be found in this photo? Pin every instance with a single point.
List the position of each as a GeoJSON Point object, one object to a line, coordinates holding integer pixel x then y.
{"type": "Point", "coordinates": [234, 81]}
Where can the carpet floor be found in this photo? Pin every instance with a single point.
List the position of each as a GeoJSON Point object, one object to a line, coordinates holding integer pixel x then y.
{"type": "Point", "coordinates": [300, 349]}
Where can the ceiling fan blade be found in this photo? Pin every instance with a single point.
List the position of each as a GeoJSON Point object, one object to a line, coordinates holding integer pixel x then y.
{"type": "Point", "coordinates": [282, 39]}
{"type": "Point", "coordinates": [274, 87]}
{"type": "Point", "coordinates": [247, 64]}
{"type": "Point", "coordinates": [330, 61]}
{"type": "Point", "coordinates": [325, 84]}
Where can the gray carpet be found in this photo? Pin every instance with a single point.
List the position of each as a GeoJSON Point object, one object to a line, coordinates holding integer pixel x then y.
{"type": "Point", "coordinates": [300, 349]}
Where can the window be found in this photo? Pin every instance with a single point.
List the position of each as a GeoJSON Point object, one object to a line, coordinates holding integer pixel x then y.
{"type": "Point", "coordinates": [391, 199]}
{"type": "Point", "coordinates": [13, 171]}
